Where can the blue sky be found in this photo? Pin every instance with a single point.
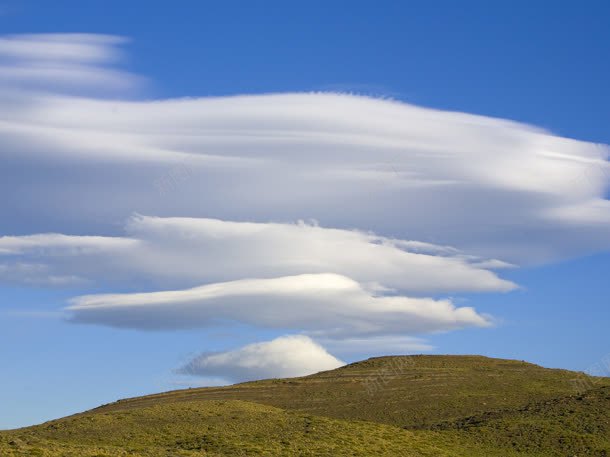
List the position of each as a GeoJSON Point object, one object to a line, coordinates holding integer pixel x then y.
{"type": "Point", "coordinates": [528, 62]}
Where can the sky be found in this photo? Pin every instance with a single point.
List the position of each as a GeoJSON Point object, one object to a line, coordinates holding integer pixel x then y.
{"type": "Point", "coordinates": [202, 193]}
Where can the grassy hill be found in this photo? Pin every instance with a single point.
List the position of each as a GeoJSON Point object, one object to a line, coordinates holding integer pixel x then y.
{"type": "Point", "coordinates": [223, 428]}
{"type": "Point", "coordinates": [395, 406]}
{"type": "Point", "coordinates": [406, 391]}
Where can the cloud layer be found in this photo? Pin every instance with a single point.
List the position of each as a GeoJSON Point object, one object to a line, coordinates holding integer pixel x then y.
{"type": "Point", "coordinates": [490, 186]}
{"type": "Point", "coordinates": [192, 251]}
{"type": "Point", "coordinates": [328, 282]}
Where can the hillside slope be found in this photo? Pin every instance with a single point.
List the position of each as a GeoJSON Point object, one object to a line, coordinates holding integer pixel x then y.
{"type": "Point", "coordinates": [395, 406]}
{"type": "Point", "coordinates": [226, 428]}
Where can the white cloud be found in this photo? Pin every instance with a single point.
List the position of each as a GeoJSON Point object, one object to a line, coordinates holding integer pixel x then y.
{"type": "Point", "coordinates": [62, 61]}
{"type": "Point", "coordinates": [60, 47]}
{"type": "Point", "coordinates": [327, 305]}
{"type": "Point", "coordinates": [487, 186]}
{"type": "Point", "coordinates": [191, 251]}
{"type": "Point", "coordinates": [283, 357]}
{"type": "Point", "coordinates": [328, 282]}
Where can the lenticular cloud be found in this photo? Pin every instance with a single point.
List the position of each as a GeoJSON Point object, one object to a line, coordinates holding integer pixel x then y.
{"type": "Point", "coordinates": [192, 251]}
{"type": "Point", "coordinates": [328, 282]}
{"type": "Point", "coordinates": [413, 203]}
{"type": "Point", "coordinates": [322, 304]}
{"type": "Point", "coordinates": [491, 187]}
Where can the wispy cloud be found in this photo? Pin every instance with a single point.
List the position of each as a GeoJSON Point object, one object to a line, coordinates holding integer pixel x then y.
{"type": "Point", "coordinates": [62, 61]}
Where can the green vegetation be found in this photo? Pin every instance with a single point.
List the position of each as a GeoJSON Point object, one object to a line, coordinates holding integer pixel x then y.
{"type": "Point", "coordinates": [390, 406]}
{"type": "Point", "coordinates": [215, 428]}
{"type": "Point", "coordinates": [573, 425]}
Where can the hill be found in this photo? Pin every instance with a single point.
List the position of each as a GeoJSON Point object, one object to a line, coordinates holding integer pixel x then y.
{"type": "Point", "coordinates": [394, 406]}
{"type": "Point", "coordinates": [406, 391]}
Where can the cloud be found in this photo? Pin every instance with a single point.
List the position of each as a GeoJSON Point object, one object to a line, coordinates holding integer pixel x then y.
{"type": "Point", "coordinates": [283, 357]}
{"type": "Point", "coordinates": [490, 187]}
{"type": "Point", "coordinates": [376, 346]}
{"type": "Point", "coordinates": [51, 259]}
{"type": "Point", "coordinates": [328, 282]}
{"type": "Point", "coordinates": [62, 61]}
{"type": "Point", "coordinates": [412, 202]}
{"type": "Point", "coordinates": [36, 274]}
{"type": "Point", "coordinates": [49, 244]}
{"type": "Point", "coordinates": [191, 251]}
{"type": "Point", "coordinates": [60, 47]}
{"type": "Point", "coordinates": [327, 305]}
